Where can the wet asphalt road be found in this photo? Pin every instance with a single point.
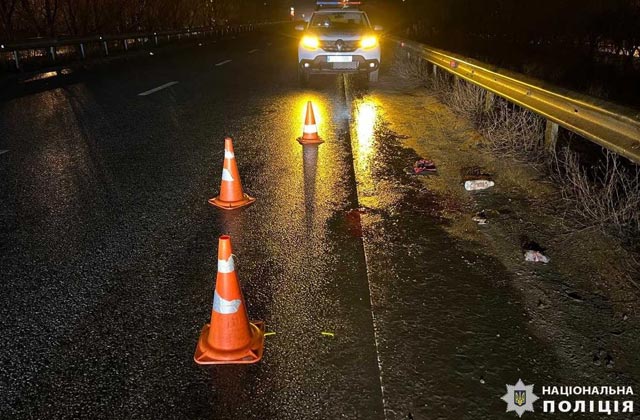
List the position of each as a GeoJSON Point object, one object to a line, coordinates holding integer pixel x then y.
{"type": "Point", "coordinates": [108, 250]}
{"type": "Point", "coordinates": [108, 253]}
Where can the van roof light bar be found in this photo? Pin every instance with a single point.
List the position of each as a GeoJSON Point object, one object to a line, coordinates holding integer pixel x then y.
{"type": "Point", "coordinates": [337, 4]}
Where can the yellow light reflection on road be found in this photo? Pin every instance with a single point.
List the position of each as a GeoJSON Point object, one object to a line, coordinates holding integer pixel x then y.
{"type": "Point", "coordinates": [366, 115]}
{"type": "Point", "coordinates": [42, 76]}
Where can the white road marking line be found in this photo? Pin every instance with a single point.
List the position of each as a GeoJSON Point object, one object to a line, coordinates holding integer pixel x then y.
{"type": "Point", "coordinates": [154, 90]}
{"type": "Point", "coordinates": [2, 152]}
{"type": "Point", "coordinates": [222, 63]}
{"type": "Point", "coordinates": [254, 51]}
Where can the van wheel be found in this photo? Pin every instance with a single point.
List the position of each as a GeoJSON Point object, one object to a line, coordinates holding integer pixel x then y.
{"type": "Point", "coordinates": [373, 76]}
{"type": "Point", "coordinates": [303, 77]}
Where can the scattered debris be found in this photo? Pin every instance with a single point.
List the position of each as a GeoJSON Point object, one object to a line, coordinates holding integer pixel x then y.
{"type": "Point", "coordinates": [353, 222]}
{"type": "Point", "coordinates": [478, 184]}
{"type": "Point", "coordinates": [600, 355]}
{"type": "Point", "coordinates": [267, 334]}
{"type": "Point", "coordinates": [362, 210]}
{"type": "Point", "coordinates": [422, 167]}
{"type": "Point", "coordinates": [609, 361]}
{"type": "Point", "coordinates": [476, 178]}
{"type": "Point", "coordinates": [536, 256]}
{"type": "Point", "coordinates": [480, 218]}
{"type": "Point", "coordinates": [328, 334]}
{"type": "Point", "coordinates": [533, 252]}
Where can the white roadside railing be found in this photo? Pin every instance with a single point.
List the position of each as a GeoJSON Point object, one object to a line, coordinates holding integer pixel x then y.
{"type": "Point", "coordinates": [14, 51]}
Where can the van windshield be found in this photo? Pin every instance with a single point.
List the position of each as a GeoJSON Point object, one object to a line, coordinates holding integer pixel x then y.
{"type": "Point", "coordinates": [341, 20]}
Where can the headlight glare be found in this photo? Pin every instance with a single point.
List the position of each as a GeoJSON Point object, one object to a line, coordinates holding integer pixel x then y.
{"type": "Point", "coordinates": [369, 42]}
{"type": "Point", "coordinates": [310, 42]}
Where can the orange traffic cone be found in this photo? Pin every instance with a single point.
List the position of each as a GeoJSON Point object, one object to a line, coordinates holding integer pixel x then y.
{"type": "Point", "coordinates": [310, 132]}
{"type": "Point", "coordinates": [231, 194]}
{"type": "Point", "coordinates": [229, 338]}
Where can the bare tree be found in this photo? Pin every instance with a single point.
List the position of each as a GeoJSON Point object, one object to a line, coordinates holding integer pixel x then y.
{"type": "Point", "coordinates": [7, 10]}
{"type": "Point", "coordinates": [29, 18]}
{"type": "Point", "coordinates": [42, 15]}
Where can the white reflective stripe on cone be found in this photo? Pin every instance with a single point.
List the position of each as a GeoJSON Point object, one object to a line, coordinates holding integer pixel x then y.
{"type": "Point", "coordinates": [223, 306]}
{"type": "Point", "coordinates": [226, 175]}
{"type": "Point", "coordinates": [228, 154]}
{"type": "Point", "coordinates": [226, 266]}
{"type": "Point", "coordinates": [309, 129]}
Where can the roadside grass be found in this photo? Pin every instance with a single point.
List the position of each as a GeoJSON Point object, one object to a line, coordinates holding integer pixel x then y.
{"type": "Point", "coordinates": [602, 193]}
{"type": "Point", "coordinates": [606, 194]}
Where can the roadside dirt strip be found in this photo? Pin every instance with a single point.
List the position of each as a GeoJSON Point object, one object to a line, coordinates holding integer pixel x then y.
{"type": "Point", "coordinates": [459, 311]}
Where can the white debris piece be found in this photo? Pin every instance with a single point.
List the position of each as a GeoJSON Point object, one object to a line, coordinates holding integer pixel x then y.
{"type": "Point", "coordinates": [478, 184]}
{"type": "Point", "coordinates": [480, 219]}
{"type": "Point", "coordinates": [536, 256]}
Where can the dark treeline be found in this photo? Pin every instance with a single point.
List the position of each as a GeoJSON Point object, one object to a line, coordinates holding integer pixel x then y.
{"type": "Point", "coordinates": [588, 25]}
{"type": "Point", "coordinates": [583, 45]}
{"type": "Point", "coordinates": [21, 19]}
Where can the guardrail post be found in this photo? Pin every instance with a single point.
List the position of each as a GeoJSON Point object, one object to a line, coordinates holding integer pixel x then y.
{"type": "Point", "coordinates": [82, 54]}
{"type": "Point", "coordinates": [551, 136]}
{"type": "Point", "coordinates": [489, 101]}
{"type": "Point", "coordinates": [16, 59]}
{"type": "Point", "coordinates": [125, 44]}
{"type": "Point", "coordinates": [435, 71]}
{"type": "Point", "coordinates": [106, 47]}
{"type": "Point", "coordinates": [52, 51]}
{"type": "Point", "coordinates": [155, 37]}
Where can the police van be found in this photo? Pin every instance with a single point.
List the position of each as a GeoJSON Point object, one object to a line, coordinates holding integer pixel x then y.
{"type": "Point", "coordinates": [338, 38]}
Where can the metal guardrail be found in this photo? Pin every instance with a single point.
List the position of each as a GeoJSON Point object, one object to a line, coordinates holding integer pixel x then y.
{"type": "Point", "coordinates": [611, 126]}
{"type": "Point", "coordinates": [50, 45]}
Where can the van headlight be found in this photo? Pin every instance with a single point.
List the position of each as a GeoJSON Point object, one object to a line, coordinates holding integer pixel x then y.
{"type": "Point", "coordinates": [310, 42]}
{"type": "Point", "coordinates": [368, 42]}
